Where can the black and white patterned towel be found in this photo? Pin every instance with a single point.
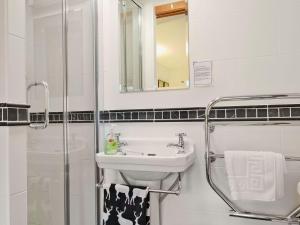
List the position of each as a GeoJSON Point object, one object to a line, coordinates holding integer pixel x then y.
{"type": "Point", "coordinates": [126, 205]}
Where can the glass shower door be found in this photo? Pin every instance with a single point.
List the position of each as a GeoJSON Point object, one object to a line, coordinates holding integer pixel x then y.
{"type": "Point", "coordinates": [61, 180]}
{"type": "Point", "coordinates": [45, 146]}
{"type": "Point", "coordinates": [81, 107]}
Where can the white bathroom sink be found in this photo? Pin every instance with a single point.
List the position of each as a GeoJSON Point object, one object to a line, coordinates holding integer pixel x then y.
{"type": "Point", "coordinates": [149, 159]}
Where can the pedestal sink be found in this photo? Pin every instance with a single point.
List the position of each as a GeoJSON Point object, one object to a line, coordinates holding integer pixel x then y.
{"type": "Point", "coordinates": [149, 159]}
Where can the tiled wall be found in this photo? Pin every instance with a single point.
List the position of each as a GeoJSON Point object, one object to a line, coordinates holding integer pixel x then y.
{"type": "Point", "coordinates": [253, 51]}
{"type": "Point", "coordinates": [13, 149]}
{"type": "Point", "coordinates": [254, 47]}
{"type": "Point", "coordinates": [198, 204]}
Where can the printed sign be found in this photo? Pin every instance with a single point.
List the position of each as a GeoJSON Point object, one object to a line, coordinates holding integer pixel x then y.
{"type": "Point", "coordinates": [202, 73]}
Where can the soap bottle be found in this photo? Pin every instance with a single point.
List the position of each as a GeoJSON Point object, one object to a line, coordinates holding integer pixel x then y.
{"type": "Point", "coordinates": [111, 145]}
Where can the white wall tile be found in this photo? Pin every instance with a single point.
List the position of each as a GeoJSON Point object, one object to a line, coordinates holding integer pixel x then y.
{"type": "Point", "coordinates": [18, 159]}
{"type": "Point", "coordinates": [198, 204]}
{"type": "Point", "coordinates": [225, 30]}
{"type": "Point", "coordinates": [16, 17]}
{"type": "Point", "coordinates": [13, 174]}
{"type": "Point", "coordinates": [255, 50]}
{"type": "Point", "coordinates": [4, 175]}
{"type": "Point", "coordinates": [253, 44]}
{"type": "Point", "coordinates": [289, 30]}
{"type": "Point", "coordinates": [16, 82]}
{"type": "Point", "coordinates": [2, 50]}
{"type": "Point", "coordinates": [18, 209]}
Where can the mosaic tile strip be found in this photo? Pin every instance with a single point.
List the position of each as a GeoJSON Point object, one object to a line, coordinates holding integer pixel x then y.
{"type": "Point", "coordinates": [230, 113]}
{"type": "Point", "coordinates": [13, 114]}
{"type": "Point", "coordinates": [194, 114]}
{"type": "Point", "coordinates": [57, 117]}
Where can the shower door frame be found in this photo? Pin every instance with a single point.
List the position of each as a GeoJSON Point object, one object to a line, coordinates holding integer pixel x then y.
{"type": "Point", "coordinates": [65, 113]}
{"type": "Point", "coordinates": [97, 108]}
{"type": "Point", "coordinates": [65, 11]}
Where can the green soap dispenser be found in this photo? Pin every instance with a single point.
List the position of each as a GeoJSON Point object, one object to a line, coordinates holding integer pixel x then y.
{"type": "Point", "coordinates": [111, 145]}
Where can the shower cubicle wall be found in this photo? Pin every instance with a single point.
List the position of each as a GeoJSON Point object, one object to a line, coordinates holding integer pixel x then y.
{"type": "Point", "coordinates": [61, 168]}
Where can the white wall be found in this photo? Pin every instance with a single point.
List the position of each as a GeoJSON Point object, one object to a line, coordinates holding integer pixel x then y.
{"type": "Point", "coordinates": [13, 176]}
{"type": "Point", "coordinates": [12, 48]}
{"type": "Point", "coordinates": [13, 170]}
{"type": "Point", "coordinates": [253, 45]}
{"type": "Point", "coordinates": [198, 204]}
{"type": "Point", "coordinates": [4, 177]}
{"type": "Point", "coordinates": [255, 50]}
{"type": "Point", "coordinates": [16, 88]}
{"type": "Point", "coordinates": [18, 175]}
{"type": "Point", "coordinates": [3, 24]}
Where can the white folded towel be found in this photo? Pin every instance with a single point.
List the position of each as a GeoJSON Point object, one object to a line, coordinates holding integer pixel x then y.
{"type": "Point", "coordinates": [255, 175]}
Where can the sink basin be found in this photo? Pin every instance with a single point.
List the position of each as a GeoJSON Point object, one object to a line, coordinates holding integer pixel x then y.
{"type": "Point", "coordinates": [149, 159]}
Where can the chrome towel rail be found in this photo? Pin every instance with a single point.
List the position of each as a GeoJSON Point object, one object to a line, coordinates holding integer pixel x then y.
{"type": "Point", "coordinates": [210, 156]}
{"type": "Point", "coordinates": [157, 191]}
{"type": "Point", "coordinates": [214, 156]}
{"type": "Point", "coordinates": [168, 192]}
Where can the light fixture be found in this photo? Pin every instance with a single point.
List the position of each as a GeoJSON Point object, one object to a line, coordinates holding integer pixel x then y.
{"type": "Point", "coordinates": [161, 50]}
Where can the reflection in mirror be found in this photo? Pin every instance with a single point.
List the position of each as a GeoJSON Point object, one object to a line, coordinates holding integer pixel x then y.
{"type": "Point", "coordinates": [131, 63]}
{"type": "Point", "coordinates": [172, 45]}
{"type": "Point", "coordinates": [154, 45]}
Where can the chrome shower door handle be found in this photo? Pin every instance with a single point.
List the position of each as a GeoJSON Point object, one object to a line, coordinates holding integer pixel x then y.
{"type": "Point", "coordinates": [43, 125]}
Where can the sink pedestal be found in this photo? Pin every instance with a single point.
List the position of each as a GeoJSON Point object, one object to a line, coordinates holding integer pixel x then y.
{"type": "Point", "coordinates": [146, 162]}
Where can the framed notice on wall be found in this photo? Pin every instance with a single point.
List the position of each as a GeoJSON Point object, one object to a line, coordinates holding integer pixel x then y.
{"type": "Point", "coordinates": [202, 73]}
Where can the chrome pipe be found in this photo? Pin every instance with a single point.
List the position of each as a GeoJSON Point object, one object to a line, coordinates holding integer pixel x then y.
{"type": "Point", "coordinates": [294, 213]}
{"type": "Point", "coordinates": [99, 173]}
{"type": "Point", "coordinates": [124, 178]}
{"type": "Point", "coordinates": [67, 210]}
{"type": "Point", "coordinates": [258, 216]}
{"type": "Point", "coordinates": [222, 195]}
{"type": "Point", "coordinates": [214, 156]}
{"type": "Point", "coordinates": [254, 123]}
{"type": "Point", "coordinates": [176, 182]}
{"type": "Point", "coordinates": [157, 191]}
{"type": "Point", "coordinates": [266, 217]}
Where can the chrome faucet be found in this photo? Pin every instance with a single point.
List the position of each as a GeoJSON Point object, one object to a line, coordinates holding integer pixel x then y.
{"type": "Point", "coordinates": [120, 143]}
{"type": "Point", "coordinates": [180, 143]}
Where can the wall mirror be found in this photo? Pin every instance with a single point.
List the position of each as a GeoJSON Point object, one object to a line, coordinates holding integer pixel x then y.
{"type": "Point", "coordinates": [154, 52]}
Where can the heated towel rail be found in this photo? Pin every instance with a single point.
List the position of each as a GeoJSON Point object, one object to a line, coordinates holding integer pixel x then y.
{"type": "Point", "coordinates": [210, 156]}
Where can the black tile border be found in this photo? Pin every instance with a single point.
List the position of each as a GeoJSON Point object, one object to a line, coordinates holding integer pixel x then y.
{"type": "Point", "coordinates": [193, 114]}
{"type": "Point", "coordinates": [13, 105]}
{"type": "Point", "coordinates": [14, 114]}
{"type": "Point", "coordinates": [197, 114]}
{"type": "Point", "coordinates": [57, 117]}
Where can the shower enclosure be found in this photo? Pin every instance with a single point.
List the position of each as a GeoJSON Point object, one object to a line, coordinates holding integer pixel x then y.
{"type": "Point", "coordinates": [130, 46]}
{"type": "Point", "coordinates": [61, 70]}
